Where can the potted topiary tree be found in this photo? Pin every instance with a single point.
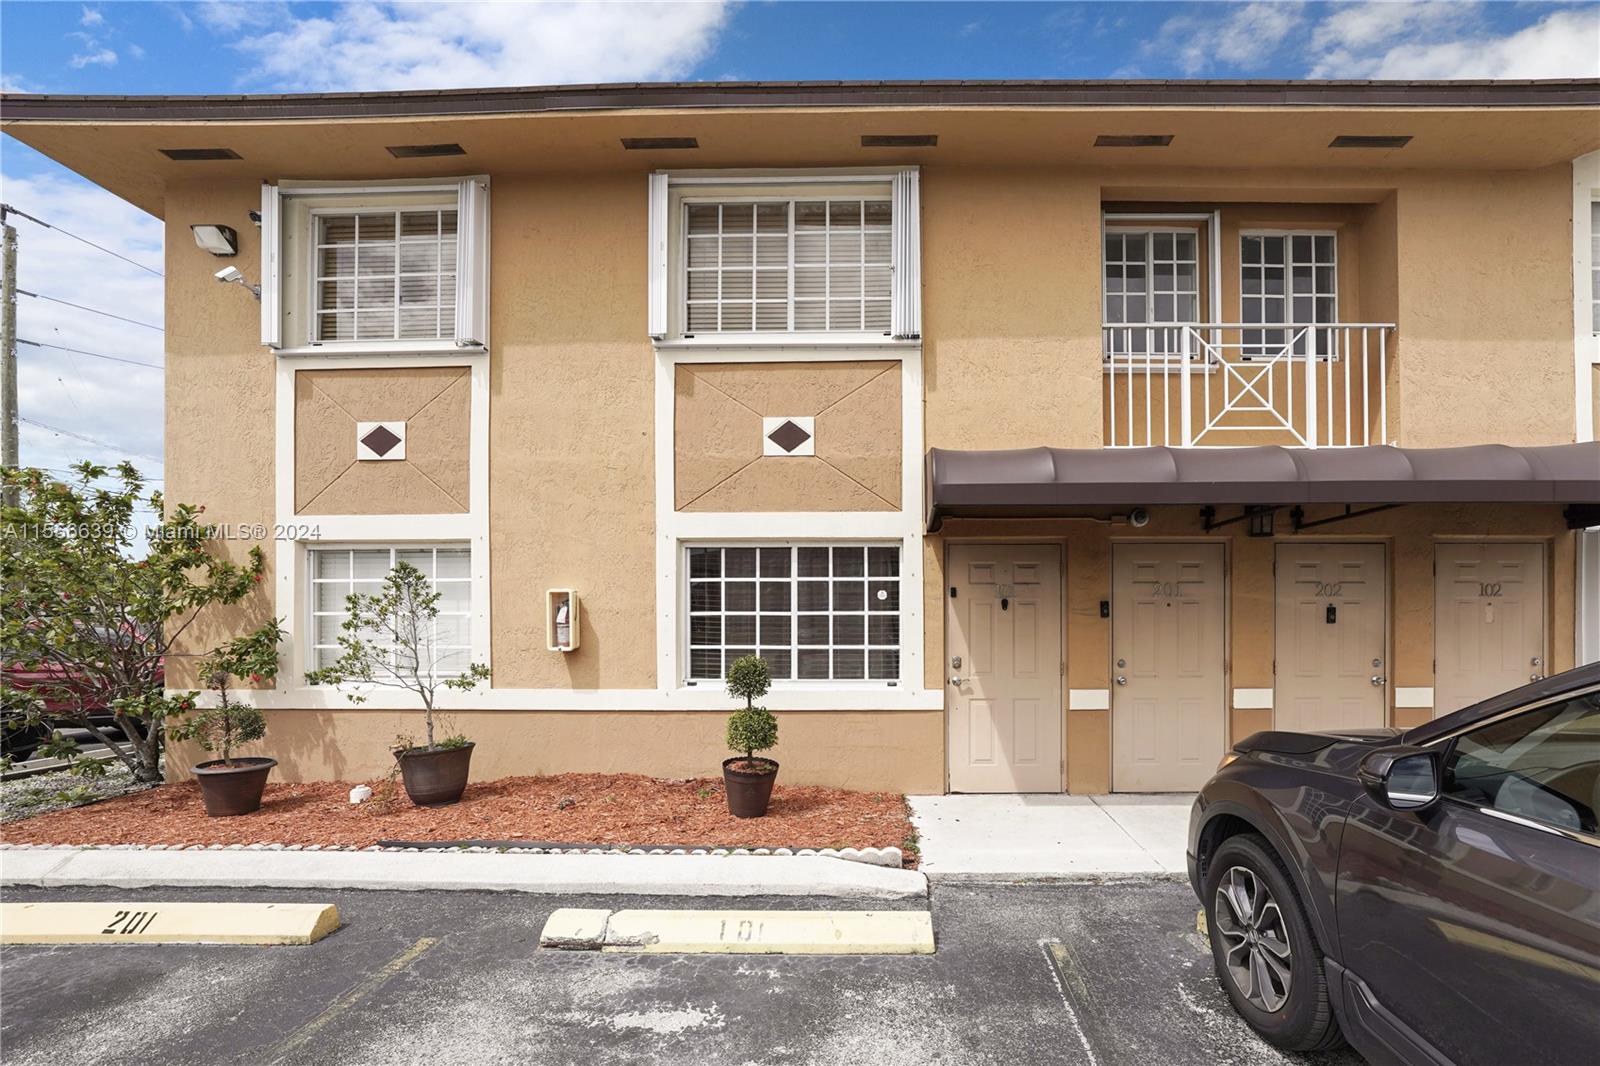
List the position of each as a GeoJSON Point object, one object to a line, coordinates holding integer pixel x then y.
{"type": "Point", "coordinates": [748, 779]}
{"type": "Point", "coordinates": [231, 786]}
{"type": "Point", "coordinates": [388, 641]}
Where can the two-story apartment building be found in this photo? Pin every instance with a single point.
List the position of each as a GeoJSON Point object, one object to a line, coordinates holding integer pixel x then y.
{"type": "Point", "coordinates": [1042, 436]}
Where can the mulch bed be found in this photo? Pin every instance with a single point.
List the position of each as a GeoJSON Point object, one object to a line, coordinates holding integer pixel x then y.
{"type": "Point", "coordinates": [567, 808]}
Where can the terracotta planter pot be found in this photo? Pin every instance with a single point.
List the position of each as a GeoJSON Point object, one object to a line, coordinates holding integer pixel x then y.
{"type": "Point", "coordinates": [435, 778]}
{"type": "Point", "coordinates": [232, 788]}
{"type": "Point", "coordinates": [748, 792]}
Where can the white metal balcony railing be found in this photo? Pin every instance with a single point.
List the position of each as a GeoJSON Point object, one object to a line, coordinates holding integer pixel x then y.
{"type": "Point", "coordinates": [1231, 384]}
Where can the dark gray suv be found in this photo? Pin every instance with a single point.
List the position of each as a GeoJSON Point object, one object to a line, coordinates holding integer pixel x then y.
{"type": "Point", "coordinates": [1431, 896]}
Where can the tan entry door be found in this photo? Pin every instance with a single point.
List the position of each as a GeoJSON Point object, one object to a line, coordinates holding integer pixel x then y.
{"type": "Point", "coordinates": [1331, 637]}
{"type": "Point", "coordinates": [1488, 614]}
{"type": "Point", "coordinates": [1168, 712]}
{"type": "Point", "coordinates": [1003, 671]}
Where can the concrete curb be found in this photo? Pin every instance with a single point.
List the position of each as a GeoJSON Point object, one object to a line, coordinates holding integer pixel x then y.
{"type": "Point", "coordinates": [1035, 877]}
{"type": "Point", "coordinates": [891, 857]}
{"type": "Point", "coordinates": [663, 875]}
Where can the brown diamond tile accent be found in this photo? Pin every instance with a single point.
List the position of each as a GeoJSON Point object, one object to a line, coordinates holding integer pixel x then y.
{"type": "Point", "coordinates": [788, 436]}
{"type": "Point", "coordinates": [381, 440]}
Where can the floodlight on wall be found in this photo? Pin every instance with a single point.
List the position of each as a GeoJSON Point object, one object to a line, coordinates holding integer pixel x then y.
{"type": "Point", "coordinates": [218, 240]}
{"type": "Point", "coordinates": [231, 275]}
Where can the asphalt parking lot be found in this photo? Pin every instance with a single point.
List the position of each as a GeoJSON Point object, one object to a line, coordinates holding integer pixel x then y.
{"type": "Point", "coordinates": [1107, 975]}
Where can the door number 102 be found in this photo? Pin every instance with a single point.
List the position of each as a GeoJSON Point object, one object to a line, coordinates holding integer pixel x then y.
{"type": "Point", "coordinates": [1488, 589]}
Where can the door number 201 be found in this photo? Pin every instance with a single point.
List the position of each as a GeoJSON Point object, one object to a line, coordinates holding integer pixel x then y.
{"type": "Point", "coordinates": [128, 923]}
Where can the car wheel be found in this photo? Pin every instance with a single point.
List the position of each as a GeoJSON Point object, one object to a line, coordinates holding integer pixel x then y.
{"type": "Point", "coordinates": [1266, 956]}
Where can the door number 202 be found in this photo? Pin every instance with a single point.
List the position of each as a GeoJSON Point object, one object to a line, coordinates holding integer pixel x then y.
{"type": "Point", "coordinates": [128, 923]}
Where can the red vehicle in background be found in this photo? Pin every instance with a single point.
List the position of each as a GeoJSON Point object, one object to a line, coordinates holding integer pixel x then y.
{"type": "Point", "coordinates": [23, 727]}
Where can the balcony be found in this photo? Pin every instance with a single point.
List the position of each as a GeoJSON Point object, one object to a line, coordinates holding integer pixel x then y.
{"type": "Point", "coordinates": [1233, 384]}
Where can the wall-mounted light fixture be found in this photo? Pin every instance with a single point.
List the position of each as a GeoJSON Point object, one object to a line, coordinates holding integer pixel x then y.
{"type": "Point", "coordinates": [231, 275]}
{"type": "Point", "coordinates": [218, 240]}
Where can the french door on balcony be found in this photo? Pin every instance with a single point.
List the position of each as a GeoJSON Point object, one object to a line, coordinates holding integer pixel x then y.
{"type": "Point", "coordinates": [1152, 282]}
{"type": "Point", "coordinates": [1288, 279]}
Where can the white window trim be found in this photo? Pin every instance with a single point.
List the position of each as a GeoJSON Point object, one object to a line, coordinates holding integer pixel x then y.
{"type": "Point", "coordinates": [471, 195]}
{"type": "Point", "coordinates": [1585, 341]}
{"type": "Point", "coordinates": [675, 529]}
{"type": "Point", "coordinates": [905, 309]}
{"type": "Point", "coordinates": [301, 531]}
{"type": "Point", "coordinates": [827, 684]}
{"type": "Point", "coordinates": [1288, 294]}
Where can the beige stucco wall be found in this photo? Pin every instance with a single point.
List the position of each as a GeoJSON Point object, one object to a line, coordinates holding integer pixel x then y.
{"type": "Point", "coordinates": [433, 402]}
{"type": "Point", "coordinates": [718, 413]}
{"type": "Point", "coordinates": [899, 751]}
{"type": "Point", "coordinates": [219, 404]}
{"type": "Point", "coordinates": [571, 440]}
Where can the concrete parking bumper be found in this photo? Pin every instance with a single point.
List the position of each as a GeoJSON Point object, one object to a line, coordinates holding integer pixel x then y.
{"type": "Point", "coordinates": [740, 932]}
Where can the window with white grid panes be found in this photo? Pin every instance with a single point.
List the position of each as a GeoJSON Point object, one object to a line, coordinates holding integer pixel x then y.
{"type": "Point", "coordinates": [1289, 278]}
{"type": "Point", "coordinates": [386, 275]}
{"type": "Point", "coordinates": [338, 572]}
{"type": "Point", "coordinates": [1594, 261]}
{"type": "Point", "coordinates": [814, 612]}
{"type": "Point", "coordinates": [1152, 277]}
{"type": "Point", "coordinates": [771, 266]}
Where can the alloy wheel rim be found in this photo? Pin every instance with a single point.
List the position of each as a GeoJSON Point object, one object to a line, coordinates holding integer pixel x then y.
{"type": "Point", "coordinates": [1255, 940]}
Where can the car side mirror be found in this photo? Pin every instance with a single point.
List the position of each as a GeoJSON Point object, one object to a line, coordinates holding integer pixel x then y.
{"type": "Point", "coordinates": [1402, 778]}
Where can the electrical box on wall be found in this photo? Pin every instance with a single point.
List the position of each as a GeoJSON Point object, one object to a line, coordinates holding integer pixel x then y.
{"type": "Point", "coordinates": [561, 620]}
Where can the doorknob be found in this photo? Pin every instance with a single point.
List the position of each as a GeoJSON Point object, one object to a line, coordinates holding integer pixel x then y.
{"type": "Point", "coordinates": [957, 680]}
{"type": "Point", "coordinates": [1121, 680]}
{"type": "Point", "coordinates": [1379, 680]}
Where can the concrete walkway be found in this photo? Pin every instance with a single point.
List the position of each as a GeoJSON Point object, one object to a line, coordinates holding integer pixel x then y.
{"type": "Point", "coordinates": [1052, 837]}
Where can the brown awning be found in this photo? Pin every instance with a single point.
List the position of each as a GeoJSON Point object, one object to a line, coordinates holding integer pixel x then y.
{"type": "Point", "coordinates": [1055, 482]}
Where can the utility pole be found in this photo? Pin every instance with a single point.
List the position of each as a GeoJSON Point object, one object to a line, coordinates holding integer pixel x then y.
{"type": "Point", "coordinates": [8, 350]}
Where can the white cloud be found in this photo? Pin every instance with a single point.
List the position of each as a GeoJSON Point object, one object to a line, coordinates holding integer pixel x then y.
{"type": "Point", "coordinates": [91, 17]}
{"type": "Point", "coordinates": [109, 401]}
{"type": "Point", "coordinates": [1443, 40]}
{"type": "Point", "coordinates": [1243, 37]}
{"type": "Point", "coordinates": [103, 57]}
{"type": "Point", "coordinates": [1425, 39]}
{"type": "Point", "coordinates": [376, 46]}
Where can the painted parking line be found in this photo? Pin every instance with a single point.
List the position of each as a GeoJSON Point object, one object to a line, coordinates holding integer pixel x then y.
{"type": "Point", "coordinates": [741, 932]}
{"type": "Point", "coordinates": [146, 922]}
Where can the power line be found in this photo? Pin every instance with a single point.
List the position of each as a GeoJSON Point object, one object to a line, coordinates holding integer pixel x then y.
{"type": "Point", "coordinates": [89, 440]}
{"type": "Point", "coordinates": [7, 208]}
{"type": "Point", "coordinates": [97, 355]}
{"type": "Point", "coordinates": [91, 310]}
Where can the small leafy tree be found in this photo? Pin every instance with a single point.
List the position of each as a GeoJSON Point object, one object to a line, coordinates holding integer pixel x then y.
{"type": "Point", "coordinates": [389, 640]}
{"type": "Point", "coordinates": [220, 728]}
{"type": "Point", "coordinates": [754, 728]}
{"type": "Point", "coordinates": [86, 626]}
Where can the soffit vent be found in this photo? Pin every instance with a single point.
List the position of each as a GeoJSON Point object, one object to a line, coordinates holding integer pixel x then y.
{"type": "Point", "coordinates": [646, 144]}
{"type": "Point", "coordinates": [188, 155]}
{"type": "Point", "coordinates": [1362, 140]}
{"type": "Point", "coordinates": [899, 140]}
{"type": "Point", "coordinates": [424, 151]}
{"type": "Point", "coordinates": [1133, 140]}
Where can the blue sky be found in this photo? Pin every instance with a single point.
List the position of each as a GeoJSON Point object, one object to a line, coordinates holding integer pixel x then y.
{"type": "Point", "coordinates": [262, 46]}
